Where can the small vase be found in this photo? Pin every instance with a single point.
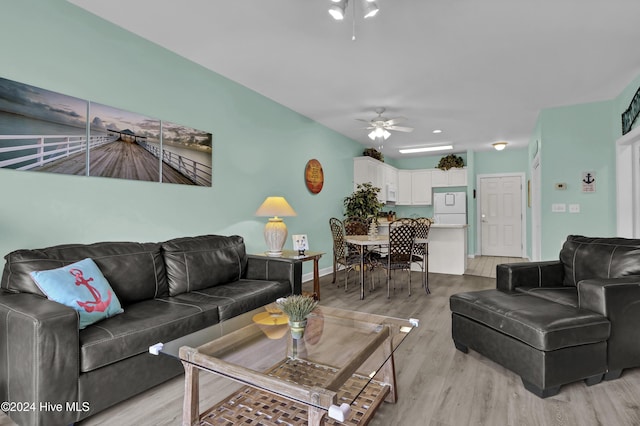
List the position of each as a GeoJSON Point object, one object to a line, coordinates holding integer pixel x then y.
{"type": "Point", "coordinates": [297, 328]}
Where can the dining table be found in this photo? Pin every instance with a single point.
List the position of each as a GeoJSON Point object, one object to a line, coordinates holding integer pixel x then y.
{"type": "Point", "coordinates": [366, 241]}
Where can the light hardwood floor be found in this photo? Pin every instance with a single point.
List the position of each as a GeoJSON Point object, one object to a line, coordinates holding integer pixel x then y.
{"type": "Point", "coordinates": [437, 385]}
{"type": "Point", "coordinates": [485, 266]}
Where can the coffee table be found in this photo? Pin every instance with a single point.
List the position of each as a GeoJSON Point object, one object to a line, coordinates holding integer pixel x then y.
{"type": "Point", "coordinates": [342, 366]}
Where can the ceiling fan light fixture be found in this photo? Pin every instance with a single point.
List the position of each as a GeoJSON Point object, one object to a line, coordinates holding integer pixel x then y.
{"type": "Point", "coordinates": [337, 10]}
{"type": "Point", "coordinates": [379, 132]}
{"type": "Point", "coordinates": [426, 149]}
{"type": "Point", "coordinates": [499, 146]}
{"type": "Point", "coordinates": [370, 9]}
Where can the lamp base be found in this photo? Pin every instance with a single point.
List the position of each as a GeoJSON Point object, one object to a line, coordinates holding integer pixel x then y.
{"type": "Point", "coordinates": [275, 234]}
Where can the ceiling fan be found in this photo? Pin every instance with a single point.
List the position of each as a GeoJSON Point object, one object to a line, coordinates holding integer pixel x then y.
{"type": "Point", "coordinates": [380, 125]}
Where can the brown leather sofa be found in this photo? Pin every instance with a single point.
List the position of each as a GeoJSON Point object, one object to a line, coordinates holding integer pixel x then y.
{"type": "Point", "coordinates": [557, 322]}
{"type": "Point", "coordinates": [167, 290]}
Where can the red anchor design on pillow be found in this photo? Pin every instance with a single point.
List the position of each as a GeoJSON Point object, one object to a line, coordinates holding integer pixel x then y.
{"type": "Point", "coordinates": [97, 304]}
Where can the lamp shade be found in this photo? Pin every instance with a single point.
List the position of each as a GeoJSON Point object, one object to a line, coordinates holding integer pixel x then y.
{"type": "Point", "coordinates": [275, 206]}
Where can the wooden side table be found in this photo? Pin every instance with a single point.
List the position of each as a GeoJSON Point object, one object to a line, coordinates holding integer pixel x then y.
{"type": "Point", "coordinates": [308, 255]}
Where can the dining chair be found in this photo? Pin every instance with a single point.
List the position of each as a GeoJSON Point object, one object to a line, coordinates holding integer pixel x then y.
{"type": "Point", "coordinates": [421, 249]}
{"type": "Point", "coordinates": [400, 250]}
{"type": "Point", "coordinates": [343, 253]}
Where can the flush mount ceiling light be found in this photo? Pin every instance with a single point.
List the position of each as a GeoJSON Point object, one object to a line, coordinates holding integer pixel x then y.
{"type": "Point", "coordinates": [426, 149]}
{"type": "Point", "coordinates": [499, 146]}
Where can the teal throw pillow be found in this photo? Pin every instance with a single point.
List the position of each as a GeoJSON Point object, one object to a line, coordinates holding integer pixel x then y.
{"type": "Point", "coordinates": [82, 287]}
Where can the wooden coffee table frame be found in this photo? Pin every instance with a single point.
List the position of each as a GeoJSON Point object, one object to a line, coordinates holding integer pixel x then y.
{"type": "Point", "coordinates": [314, 398]}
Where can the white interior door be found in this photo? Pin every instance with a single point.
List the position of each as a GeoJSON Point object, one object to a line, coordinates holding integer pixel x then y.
{"type": "Point", "coordinates": [536, 225]}
{"type": "Point", "coordinates": [501, 216]}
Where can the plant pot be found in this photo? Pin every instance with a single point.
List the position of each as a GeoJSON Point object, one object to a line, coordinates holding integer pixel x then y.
{"type": "Point", "coordinates": [297, 328]}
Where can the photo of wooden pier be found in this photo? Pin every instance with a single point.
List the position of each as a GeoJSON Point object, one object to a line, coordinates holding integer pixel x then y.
{"type": "Point", "coordinates": [41, 131]}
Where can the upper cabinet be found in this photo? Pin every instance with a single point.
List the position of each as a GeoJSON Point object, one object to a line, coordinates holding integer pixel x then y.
{"type": "Point", "coordinates": [421, 187]}
{"type": "Point", "coordinates": [404, 187]}
{"type": "Point", "coordinates": [412, 187]}
{"type": "Point", "coordinates": [451, 177]}
{"type": "Point", "coordinates": [367, 169]}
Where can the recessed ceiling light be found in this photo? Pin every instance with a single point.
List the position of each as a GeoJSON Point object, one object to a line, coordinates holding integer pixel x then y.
{"type": "Point", "coordinates": [425, 149]}
{"type": "Point", "coordinates": [437, 131]}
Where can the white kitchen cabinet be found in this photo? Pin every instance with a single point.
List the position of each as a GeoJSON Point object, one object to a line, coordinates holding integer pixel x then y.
{"type": "Point", "coordinates": [451, 177]}
{"type": "Point", "coordinates": [367, 169]}
{"type": "Point", "coordinates": [421, 189]}
{"type": "Point", "coordinates": [379, 174]}
{"type": "Point", "coordinates": [404, 188]}
{"type": "Point", "coordinates": [390, 174]}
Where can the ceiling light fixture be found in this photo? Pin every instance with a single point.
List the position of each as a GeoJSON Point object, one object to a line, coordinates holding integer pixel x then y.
{"type": "Point", "coordinates": [426, 149]}
{"type": "Point", "coordinates": [437, 131]}
{"type": "Point", "coordinates": [499, 146]}
{"type": "Point", "coordinates": [379, 132]}
{"type": "Point", "coordinates": [370, 9]}
{"type": "Point", "coordinates": [337, 10]}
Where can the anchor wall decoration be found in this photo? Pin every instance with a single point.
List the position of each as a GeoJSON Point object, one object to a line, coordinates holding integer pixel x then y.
{"type": "Point", "coordinates": [588, 182]}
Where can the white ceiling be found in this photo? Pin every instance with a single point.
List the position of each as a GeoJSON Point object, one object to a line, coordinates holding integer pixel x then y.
{"type": "Point", "coordinates": [479, 70]}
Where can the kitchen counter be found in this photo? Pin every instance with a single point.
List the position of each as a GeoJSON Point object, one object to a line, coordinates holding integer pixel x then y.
{"type": "Point", "coordinates": [447, 247]}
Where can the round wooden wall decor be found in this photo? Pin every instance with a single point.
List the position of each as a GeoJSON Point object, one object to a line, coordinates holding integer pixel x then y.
{"type": "Point", "coordinates": [314, 176]}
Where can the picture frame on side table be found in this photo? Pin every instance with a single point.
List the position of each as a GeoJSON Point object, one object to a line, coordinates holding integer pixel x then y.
{"type": "Point", "coordinates": [300, 243]}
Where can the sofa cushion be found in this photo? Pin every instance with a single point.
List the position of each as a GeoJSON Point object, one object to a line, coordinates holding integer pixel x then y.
{"type": "Point", "coordinates": [80, 286]}
{"type": "Point", "coordinates": [141, 325]}
{"type": "Point", "coordinates": [588, 258]}
{"type": "Point", "coordinates": [134, 270]}
{"type": "Point", "coordinates": [195, 263]}
{"type": "Point", "coordinates": [542, 324]}
{"type": "Point", "coordinates": [238, 297]}
{"type": "Point", "coordinates": [565, 295]}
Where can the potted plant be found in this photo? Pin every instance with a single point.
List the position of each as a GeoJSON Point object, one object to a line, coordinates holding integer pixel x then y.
{"type": "Point", "coordinates": [373, 153]}
{"type": "Point", "coordinates": [297, 308]}
{"type": "Point", "coordinates": [450, 161]}
{"type": "Point", "coordinates": [363, 202]}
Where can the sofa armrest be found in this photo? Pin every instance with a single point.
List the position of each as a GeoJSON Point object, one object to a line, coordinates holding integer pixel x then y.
{"type": "Point", "coordinates": [276, 269]}
{"type": "Point", "coordinates": [39, 360]}
{"type": "Point", "coordinates": [618, 299]}
{"type": "Point", "coordinates": [529, 274]}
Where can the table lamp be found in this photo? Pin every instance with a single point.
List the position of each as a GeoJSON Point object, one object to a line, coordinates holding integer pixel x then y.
{"type": "Point", "coordinates": [275, 231]}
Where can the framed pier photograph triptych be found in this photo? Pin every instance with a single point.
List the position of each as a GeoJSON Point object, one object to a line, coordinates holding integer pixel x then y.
{"type": "Point", "coordinates": [45, 131]}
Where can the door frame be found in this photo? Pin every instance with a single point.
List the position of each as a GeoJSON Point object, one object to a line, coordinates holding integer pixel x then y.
{"type": "Point", "coordinates": [523, 204]}
{"type": "Point", "coordinates": [536, 211]}
{"type": "Point", "coordinates": [627, 188]}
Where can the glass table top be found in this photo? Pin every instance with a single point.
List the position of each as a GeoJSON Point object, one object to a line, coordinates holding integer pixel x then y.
{"type": "Point", "coordinates": [338, 346]}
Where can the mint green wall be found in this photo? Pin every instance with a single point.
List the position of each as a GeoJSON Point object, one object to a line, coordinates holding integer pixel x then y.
{"type": "Point", "coordinates": [577, 139]}
{"type": "Point", "coordinates": [260, 148]}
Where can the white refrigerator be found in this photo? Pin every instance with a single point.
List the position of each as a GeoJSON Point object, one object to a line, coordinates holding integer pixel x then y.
{"type": "Point", "coordinates": [450, 207]}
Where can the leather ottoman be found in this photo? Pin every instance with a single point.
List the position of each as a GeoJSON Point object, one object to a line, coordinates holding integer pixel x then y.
{"type": "Point", "coordinates": [547, 344]}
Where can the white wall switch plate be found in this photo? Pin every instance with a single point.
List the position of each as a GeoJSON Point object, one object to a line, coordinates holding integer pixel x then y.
{"type": "Point", "coordinates": [574, 208]}
{"type": "Point", "coordinates": [558, 208]}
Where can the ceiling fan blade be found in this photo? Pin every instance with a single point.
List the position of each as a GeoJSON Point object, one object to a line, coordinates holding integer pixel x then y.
{"type": "Point", "coordinates": [399, 128]}
{"type": "Point", "coordinates": [362, 119]}
{"type": "Point", "coordinates": [395, 121]}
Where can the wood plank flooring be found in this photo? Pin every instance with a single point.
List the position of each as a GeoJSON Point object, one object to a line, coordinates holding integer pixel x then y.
{"type": "Point", "coordinates": [485, 266]}
{"type": "Point", "coordinates": [437, 385]}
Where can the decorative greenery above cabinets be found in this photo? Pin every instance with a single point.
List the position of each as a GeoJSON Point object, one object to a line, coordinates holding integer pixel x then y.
{"type": "Point", "coordinates": [450, 161]}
